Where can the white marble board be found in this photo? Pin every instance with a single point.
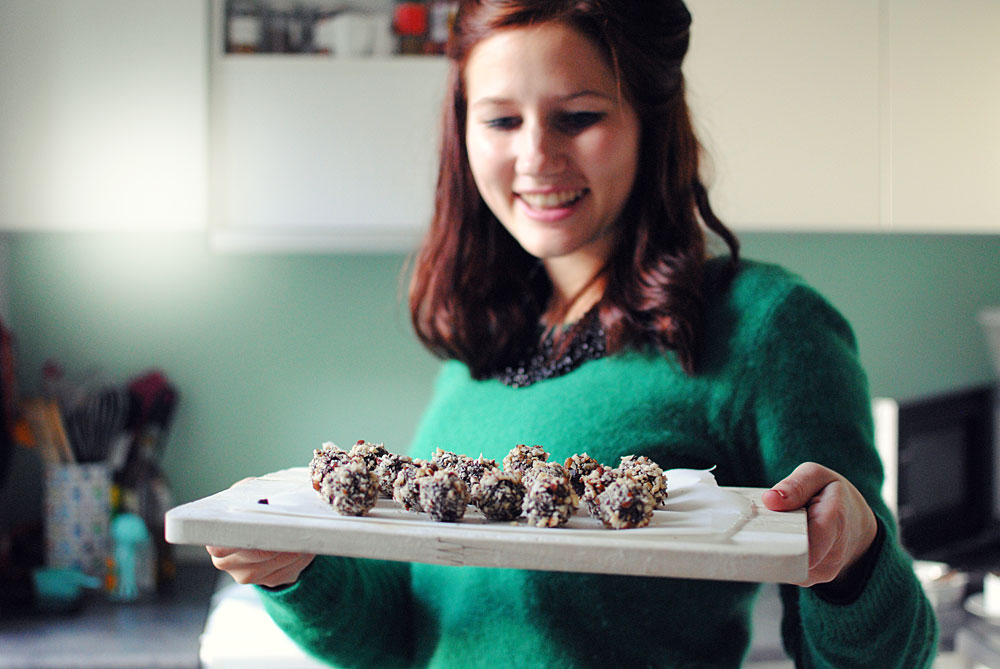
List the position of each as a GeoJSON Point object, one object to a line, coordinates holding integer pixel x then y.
{"type": "Point", "coordinates": [703, 531]}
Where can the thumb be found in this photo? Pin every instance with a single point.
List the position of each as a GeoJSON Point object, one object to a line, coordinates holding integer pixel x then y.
{"type": "Point", "coordinates": [795, 490]}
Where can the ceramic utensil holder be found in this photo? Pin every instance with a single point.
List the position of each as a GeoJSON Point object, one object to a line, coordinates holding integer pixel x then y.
{"type": "Point", "coordinates": [77, 513]}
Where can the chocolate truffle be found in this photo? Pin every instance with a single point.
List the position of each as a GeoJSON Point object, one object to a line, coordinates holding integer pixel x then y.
{"type": "Point", "coordinates": [388, 469]}
{"type": "Point", "coordinates": [471, 471]}
{"type": "Point", "coordinates": [520, 457]}
{"type": "Point", "coordinates": [324, 460]}
{"type": "Point", "coordinates": [350, 488]}
{"type": "Point", "coordinates": [405, 489]}
{"type": "Point", "coordinates": [443, 496]}
{"type": "Point", "coordinates": [626, 503]}
{"type": "Point", "coordinates": [594, 484]}
{"type": "Point", "coordinates": [646, 472]}
{"type": "Point", "coordinates": [447, 459]}
{"type": "Point", "coordinates": [578, 466]}
{"type": "Point", "coordinates": [372, 453]}
{"type": "Point", "coordinates": [541, 467]}
{"type": "Point", "coordinates": [550, 501]}
{"type": "Point", "coordinates": [499, 495]}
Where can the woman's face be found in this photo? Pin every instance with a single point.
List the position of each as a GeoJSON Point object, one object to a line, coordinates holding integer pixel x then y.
{"type": "Point", "coordinates": [552, 143]}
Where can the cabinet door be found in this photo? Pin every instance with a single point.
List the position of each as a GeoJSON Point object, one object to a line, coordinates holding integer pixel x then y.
{"type": "Point", "coordinates": [319, 153]}
{"type": "Point", "coordinates": [785, 95]}
{"type": "Point", "coordinates": [102, 113]}
{"type": "Point", "coordinates": [944, 62]}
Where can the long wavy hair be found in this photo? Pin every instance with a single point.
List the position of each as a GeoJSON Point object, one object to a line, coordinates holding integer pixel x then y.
{"type": "Point", "coordinates": [477, 296]}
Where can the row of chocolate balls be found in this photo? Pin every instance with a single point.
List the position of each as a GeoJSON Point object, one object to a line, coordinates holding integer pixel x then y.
{"type": "Point", "coordinates": [546, 493]}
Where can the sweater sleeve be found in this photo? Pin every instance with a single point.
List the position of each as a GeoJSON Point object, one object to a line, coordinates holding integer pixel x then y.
{"type": "Point", "coordinates": [805, 398]}
{"type": "Point", "coordinates": [348, 612]}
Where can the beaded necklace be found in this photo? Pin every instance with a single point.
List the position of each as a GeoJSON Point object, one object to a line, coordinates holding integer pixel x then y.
{"type": "Point", "coordinates": [588, 342]}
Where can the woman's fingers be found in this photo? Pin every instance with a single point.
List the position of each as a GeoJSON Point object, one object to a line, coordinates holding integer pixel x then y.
{"type": "Point", "coordinates": [798, 488]}
{"type": "Point", "coordinates": [841, 525]}
{"type": "Point", "coordinates": [271, 568]}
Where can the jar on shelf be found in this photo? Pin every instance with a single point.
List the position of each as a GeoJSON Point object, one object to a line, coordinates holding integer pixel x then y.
{"type": "Point", "coordinates": [410, 24]}
{"type": "Point", "coordinates": [440, 17]}
{"type": "Point", "coordinates": [244, 33]}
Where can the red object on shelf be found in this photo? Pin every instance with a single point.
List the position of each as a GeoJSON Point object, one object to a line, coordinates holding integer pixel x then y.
{"type": "Point", "coordinates": [410, 19]}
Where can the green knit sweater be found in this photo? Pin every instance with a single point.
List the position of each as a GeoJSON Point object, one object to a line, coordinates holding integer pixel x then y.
{"type": "Point", "coordinates": [779, 383]}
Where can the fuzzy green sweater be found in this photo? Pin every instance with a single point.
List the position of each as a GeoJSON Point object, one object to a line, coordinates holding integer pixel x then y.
{"type": "Point", "coordinates": [779, 383]}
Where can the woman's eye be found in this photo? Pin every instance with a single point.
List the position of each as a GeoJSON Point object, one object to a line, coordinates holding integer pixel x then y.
{"type": "Point", "coordinates": [573, 122]}
{"type": "Point", "coordinates": [503, 123]}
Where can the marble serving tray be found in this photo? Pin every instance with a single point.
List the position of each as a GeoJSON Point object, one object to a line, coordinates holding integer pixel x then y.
{"type": "Point", "coordinates": [703, 531]}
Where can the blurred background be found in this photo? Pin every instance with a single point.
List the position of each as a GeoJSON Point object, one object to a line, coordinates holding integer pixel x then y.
{"type": "Point", "coordinates": [220, 198]}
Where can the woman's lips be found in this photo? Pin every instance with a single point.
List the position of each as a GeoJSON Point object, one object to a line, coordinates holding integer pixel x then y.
{"type": "Point", "coordinates": [551, 205]}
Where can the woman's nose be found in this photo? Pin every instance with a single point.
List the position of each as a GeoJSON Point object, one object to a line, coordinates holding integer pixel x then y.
{"type": "Point", "coordinates": [540, 151]}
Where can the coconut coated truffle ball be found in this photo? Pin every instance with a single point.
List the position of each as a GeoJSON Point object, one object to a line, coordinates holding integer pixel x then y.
{"type": "Point", "coordinates": [350, 488]}
{"type": "Point", "coordinates": [405, 489]}
{"type": "Point", "coordinates": [371, 453]}
{"type": "Point", "coordinates": [519, 458]}
{"type": "Point", "coordinates": [388, 469]}
{"type": "Point", "coordinates": [646, 472]}
{"type": "Point", "coordinates": [324, 460]}
{"type": "Point", "coordinates": [626, 503]}
{"type": "Point", "coordinates": [499, 495]}
{"type": "Point", "coordinates": [550, 501]}
{"type": "Point", "coordinates": [443, 496]}
{"type": "Point", "coordinates": [578, 466]}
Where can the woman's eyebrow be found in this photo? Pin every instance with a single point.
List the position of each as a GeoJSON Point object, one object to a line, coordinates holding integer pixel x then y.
{"type": "Point", "coordinates": [499, 100]}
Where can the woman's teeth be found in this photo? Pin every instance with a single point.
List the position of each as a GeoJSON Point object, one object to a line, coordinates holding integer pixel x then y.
{"type": "Point", "coordinates": [552, 200]}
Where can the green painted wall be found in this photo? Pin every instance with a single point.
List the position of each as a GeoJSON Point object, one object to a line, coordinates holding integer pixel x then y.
{"type": "Point", "coordinates": [275, 354]}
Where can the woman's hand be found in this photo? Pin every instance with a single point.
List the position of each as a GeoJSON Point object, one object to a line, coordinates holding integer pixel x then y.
{"type": "Point", "coordinates": [841, 524]}
{"type": "Point", "coordinates": [269, 568]}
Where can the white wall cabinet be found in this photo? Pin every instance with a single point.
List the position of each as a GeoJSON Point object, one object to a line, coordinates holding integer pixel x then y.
{"type": "Point", "coordinates": [851, 115]}
{"type": "Point", "coordinates": [845, 115]}
{"type": "Point", "coordinates": [944, 84]}
{"type": "Point", "coordinates": [103, 114]}
{"type": "Point", "coordinates": [315, 153]}
{"type": "Point", "coordinates": [785, 97]}
{"type": "Point", "coordinates": [320, 154]}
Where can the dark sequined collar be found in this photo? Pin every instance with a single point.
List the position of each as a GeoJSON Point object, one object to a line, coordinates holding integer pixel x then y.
{"type": "Point", "coordinates": [588, 342]}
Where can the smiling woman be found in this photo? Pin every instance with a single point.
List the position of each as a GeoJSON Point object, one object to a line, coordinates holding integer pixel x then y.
{"type": "Point", "coordinates": [567, 282]}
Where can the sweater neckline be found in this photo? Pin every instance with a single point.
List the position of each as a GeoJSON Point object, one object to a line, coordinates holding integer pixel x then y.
{"type": "Point", "coordinates": [550, 359]}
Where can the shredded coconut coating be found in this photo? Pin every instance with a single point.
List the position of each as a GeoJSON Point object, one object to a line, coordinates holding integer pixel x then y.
{"type": "Point", "coordinates": [443, 496]}
{"type": "Point", "coordinates": [550, 501]}
{"type": "Point", "coordinates": [471, 471]}
{"type": "Point", "coordinates": [520, 457]}
{"type": "Point", "coordinates": [539, 467]}
{"type": "Point", "coordinates": [499, 495]}
{"type": "Point", "coordinates": [578, 466]}
{"type": "Point", "coordinates": [405, 489]}
{"type": "Point", "coordinates": [372, 453]}
{"type": "Point", "coordinates": [626, 503]}
{"type": "Point", "coordinates": [388, 469]}
{"type": "Point", "coordinates": [646, 472]}
{"type": "Point", "coordinates": [447, 459]}
{"type": "Point", "coordinates": [594, 484]}
{"type": "Point", "coordinates": [350, 489]}
{"type": "Point", "coordinates": [324, 460]}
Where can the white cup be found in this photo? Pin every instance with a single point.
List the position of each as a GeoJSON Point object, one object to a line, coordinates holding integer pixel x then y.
{"type": "Point", "coordinates": [383, 39]}
{"type": "Point", "coordinates": [353, 34]}
{"type": "Point", "coordinates": [991, 594]}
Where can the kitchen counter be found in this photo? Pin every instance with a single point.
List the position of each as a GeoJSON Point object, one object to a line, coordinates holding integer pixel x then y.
{"type": "Point", "coordinates": [161, 633]}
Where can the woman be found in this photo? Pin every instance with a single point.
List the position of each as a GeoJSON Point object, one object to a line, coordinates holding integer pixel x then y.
{"type": "Point", "coordinates": [565, 280]}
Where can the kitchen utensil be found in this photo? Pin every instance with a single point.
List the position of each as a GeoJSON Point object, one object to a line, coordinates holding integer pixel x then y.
{"type": "Point", "coordinates": [97, 421]}
{"type": "Point", "coordinates": [58, 589]}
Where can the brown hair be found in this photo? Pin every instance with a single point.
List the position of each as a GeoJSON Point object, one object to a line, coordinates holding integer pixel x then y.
{"type": "Point", "coordinates": [477, 296]}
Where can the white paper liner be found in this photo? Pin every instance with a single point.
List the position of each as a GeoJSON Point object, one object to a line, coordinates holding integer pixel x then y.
{"type": "Point", "coordinates": [695, 507]}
